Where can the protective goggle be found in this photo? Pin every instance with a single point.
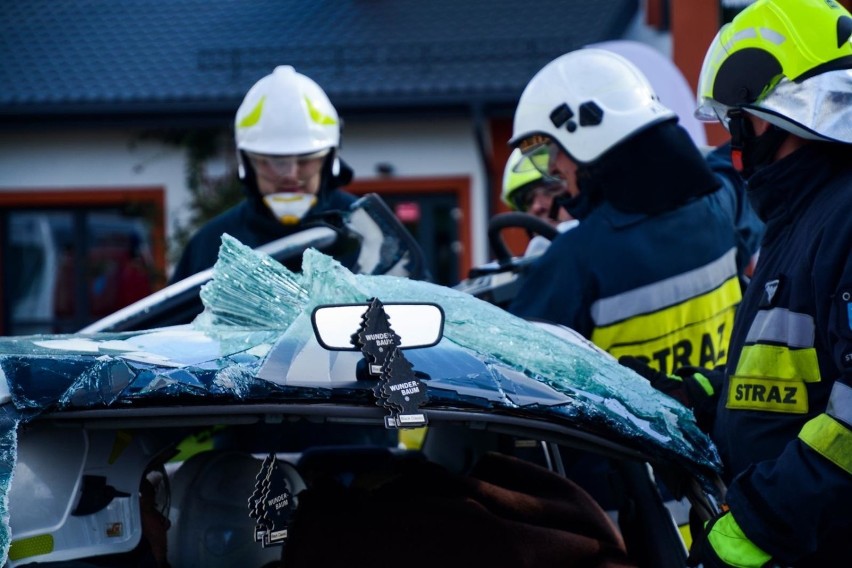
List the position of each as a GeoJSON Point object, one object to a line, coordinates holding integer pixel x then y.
{"type": "Point", "coordinates": [285, 165]}
{"type": "Point", "coordinates": [539, 150]}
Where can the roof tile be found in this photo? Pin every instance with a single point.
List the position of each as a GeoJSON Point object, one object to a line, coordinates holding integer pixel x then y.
{"type": "Point", "coordinates": [369, 53]}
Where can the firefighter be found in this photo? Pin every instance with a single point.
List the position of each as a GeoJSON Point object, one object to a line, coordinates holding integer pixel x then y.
{"type": "Point", "coordinates": [636, 276]}
{"type": "Point", "coordinates": [527, 190]}
{"type": "Point", "coordinates": [779, 77]}
{"type": "Point", "coordinates": [287, 136]}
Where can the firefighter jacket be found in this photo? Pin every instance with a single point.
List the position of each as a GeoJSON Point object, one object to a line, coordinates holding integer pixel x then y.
{"type": "Point", "coordinates": [252, 223]}
{"type": "Point", "coordinates": [651, 270]}
{"type": "Point", "coordinates": [785, 410]}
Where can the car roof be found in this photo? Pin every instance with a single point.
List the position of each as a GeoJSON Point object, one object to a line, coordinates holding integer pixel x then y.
{"type": "Point", "coordinates": [254, 345]}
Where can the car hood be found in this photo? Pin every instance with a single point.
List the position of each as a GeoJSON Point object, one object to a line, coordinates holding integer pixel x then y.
{"type": "Point", "coordinates": [254, 342]}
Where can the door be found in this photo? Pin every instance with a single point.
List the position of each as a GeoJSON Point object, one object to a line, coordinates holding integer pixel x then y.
{"type": "Point", "coordinates": [64, 267]}
{"type": "Point", "coordinates": [436, 213]}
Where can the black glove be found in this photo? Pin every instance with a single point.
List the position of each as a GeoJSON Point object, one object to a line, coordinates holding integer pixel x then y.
{"type": "Point", "coordinates": [723, 545]}
{"type": "Point", "coordinates": [693, 387]}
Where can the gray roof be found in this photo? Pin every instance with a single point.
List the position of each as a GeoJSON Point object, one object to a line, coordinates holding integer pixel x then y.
{"type": "Point", "coordinates": [149, 57]}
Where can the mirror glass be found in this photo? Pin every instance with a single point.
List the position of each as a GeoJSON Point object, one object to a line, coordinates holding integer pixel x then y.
{"type": "Point", "coordinates": [417, 325]}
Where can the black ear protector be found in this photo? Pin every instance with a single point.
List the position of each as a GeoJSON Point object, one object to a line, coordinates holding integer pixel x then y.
{"type": "Point", "coordinates": [750, 152]}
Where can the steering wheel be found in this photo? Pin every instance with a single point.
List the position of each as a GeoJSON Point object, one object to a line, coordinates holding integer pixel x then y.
{"type": "Point", "coordinates": [515, 219]}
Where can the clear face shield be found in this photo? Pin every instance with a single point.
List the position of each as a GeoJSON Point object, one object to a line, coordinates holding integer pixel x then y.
{"type": "Point", "coordinates": [540, 152]}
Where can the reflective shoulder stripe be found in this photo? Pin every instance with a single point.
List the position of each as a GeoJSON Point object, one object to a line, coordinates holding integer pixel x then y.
{"type": "Point", "coordinates": [695, 332]}
{"type": "Point", "coordinates": [696, 311]}
{"type": "Point", "coordinates": [659, 295]}
{"type": "Point", "coordinates": [776, 362]}
{"type": "Point", "coordinates": [840, 403]}
{"type": "Point", "coordinates": [780, 325]}
{"type": "Point", "coordinates": [830, 439]}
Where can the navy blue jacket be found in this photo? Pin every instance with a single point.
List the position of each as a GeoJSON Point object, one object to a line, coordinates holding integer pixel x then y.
{"type": "Point", "coordinates": [785, 411]}
{"type": "Point", "coordinates": [651, 271]}
{"type": "Point", "coordinates": [252, 223]}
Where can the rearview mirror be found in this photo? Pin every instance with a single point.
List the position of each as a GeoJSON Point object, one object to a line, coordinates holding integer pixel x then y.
{"type": "Point", "coordinates": [417, 325]}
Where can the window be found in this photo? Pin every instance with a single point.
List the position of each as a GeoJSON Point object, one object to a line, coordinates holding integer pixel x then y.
{"type": "Point", "coordinates": [70, 259]}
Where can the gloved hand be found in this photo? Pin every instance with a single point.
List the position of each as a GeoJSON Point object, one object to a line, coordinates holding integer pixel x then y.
{"type": "Point", "coordinates": [723, 545]}
{"type": "Point", "coordinates": [693, 387]}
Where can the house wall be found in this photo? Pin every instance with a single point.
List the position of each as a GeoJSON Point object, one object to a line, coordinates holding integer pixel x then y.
{"type": "Point", "coordinates": [92, 159]}
{"type": "Point", "coordinates": [423, 149]}
{"type": "Point", "coordinates": [108, 159]}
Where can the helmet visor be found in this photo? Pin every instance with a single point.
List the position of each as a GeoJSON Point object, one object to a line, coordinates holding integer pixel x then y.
{"type": "Point", "coordinates": [285, 165]}
{"type": "Point", "coordinates": [539, 151]}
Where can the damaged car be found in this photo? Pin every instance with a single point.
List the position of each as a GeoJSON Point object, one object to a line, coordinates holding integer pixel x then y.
{"type": "Point", "coordinates": [326, 418]}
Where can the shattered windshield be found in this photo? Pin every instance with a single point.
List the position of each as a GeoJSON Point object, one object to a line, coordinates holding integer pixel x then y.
{"type": "Point", "coordinates": [255, 342]}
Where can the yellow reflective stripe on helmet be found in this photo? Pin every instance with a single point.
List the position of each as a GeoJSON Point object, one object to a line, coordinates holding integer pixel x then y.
{"type": "Point", "coordinates": [699, 332]}
{"type": "Point", "coordinates": [669, 292]}
{"type": "Point", "coordinates": [769, 395]}
{"type": "Point", "coordinates": [733, 547]}
{"type": "Point", "coordinates": [253, 117]}
{"type": "Point", "coordinates": [830, 439]}
{"type": "Point", "coordinates": [317, 115]}
{"type": "Point", "coordinates": [32, 546]}
{"type": "Point", "coordinates": [779, 362]}
{"type": "Point", "coordinates": [780, 325]}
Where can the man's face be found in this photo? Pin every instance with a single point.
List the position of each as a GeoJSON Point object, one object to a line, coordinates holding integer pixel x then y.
{"type": "Point", "coordinates": [562, 166]}
{"type": "Point", "coordinates": [548, 157]}
{"type": "Point", "coordinates": [539, 203]}
{"type": "Point", "coordinates": [287, 174]}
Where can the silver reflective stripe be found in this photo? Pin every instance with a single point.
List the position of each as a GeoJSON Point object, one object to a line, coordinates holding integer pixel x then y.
{"type": "Point", "coordinates": [665, 293]}
{"type": "Point", "coordinates": [780, 325]}
{"type": "Point", "coordinates": [840, 403]}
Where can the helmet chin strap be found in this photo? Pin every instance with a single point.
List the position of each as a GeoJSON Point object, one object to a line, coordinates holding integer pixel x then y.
{"type": "Point", "coordinates": [751, 152]}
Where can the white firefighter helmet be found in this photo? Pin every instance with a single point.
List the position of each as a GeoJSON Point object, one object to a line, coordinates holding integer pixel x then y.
{"type": "Point", "coordinates": [587, 101]}
{"type": "Point", "coordinates": [285, 113]}
{"type": "Point", "coordinates": [75, 493]}
{"type": "Point", "coordinates": [666, 79]}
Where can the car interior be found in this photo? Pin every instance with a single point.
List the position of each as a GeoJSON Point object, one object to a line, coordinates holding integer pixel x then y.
{"type": "Point", "coordinates": [459, 492]}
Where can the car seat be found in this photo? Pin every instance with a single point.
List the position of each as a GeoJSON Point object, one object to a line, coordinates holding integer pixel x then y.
{"type": "Point", "coordinates": [209, 512]}
{"type": "Point", "coordinates": [505, 512]}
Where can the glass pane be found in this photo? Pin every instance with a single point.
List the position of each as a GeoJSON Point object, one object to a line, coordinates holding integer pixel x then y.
{"type": "Point", "coordinates": [119, 261]}
{"type": "Point", "coordinates": [33, 270]}
{"type": "Point", "coordinates": [68, 268]}
{"type": "Point", "coordinates": [433, 221]}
